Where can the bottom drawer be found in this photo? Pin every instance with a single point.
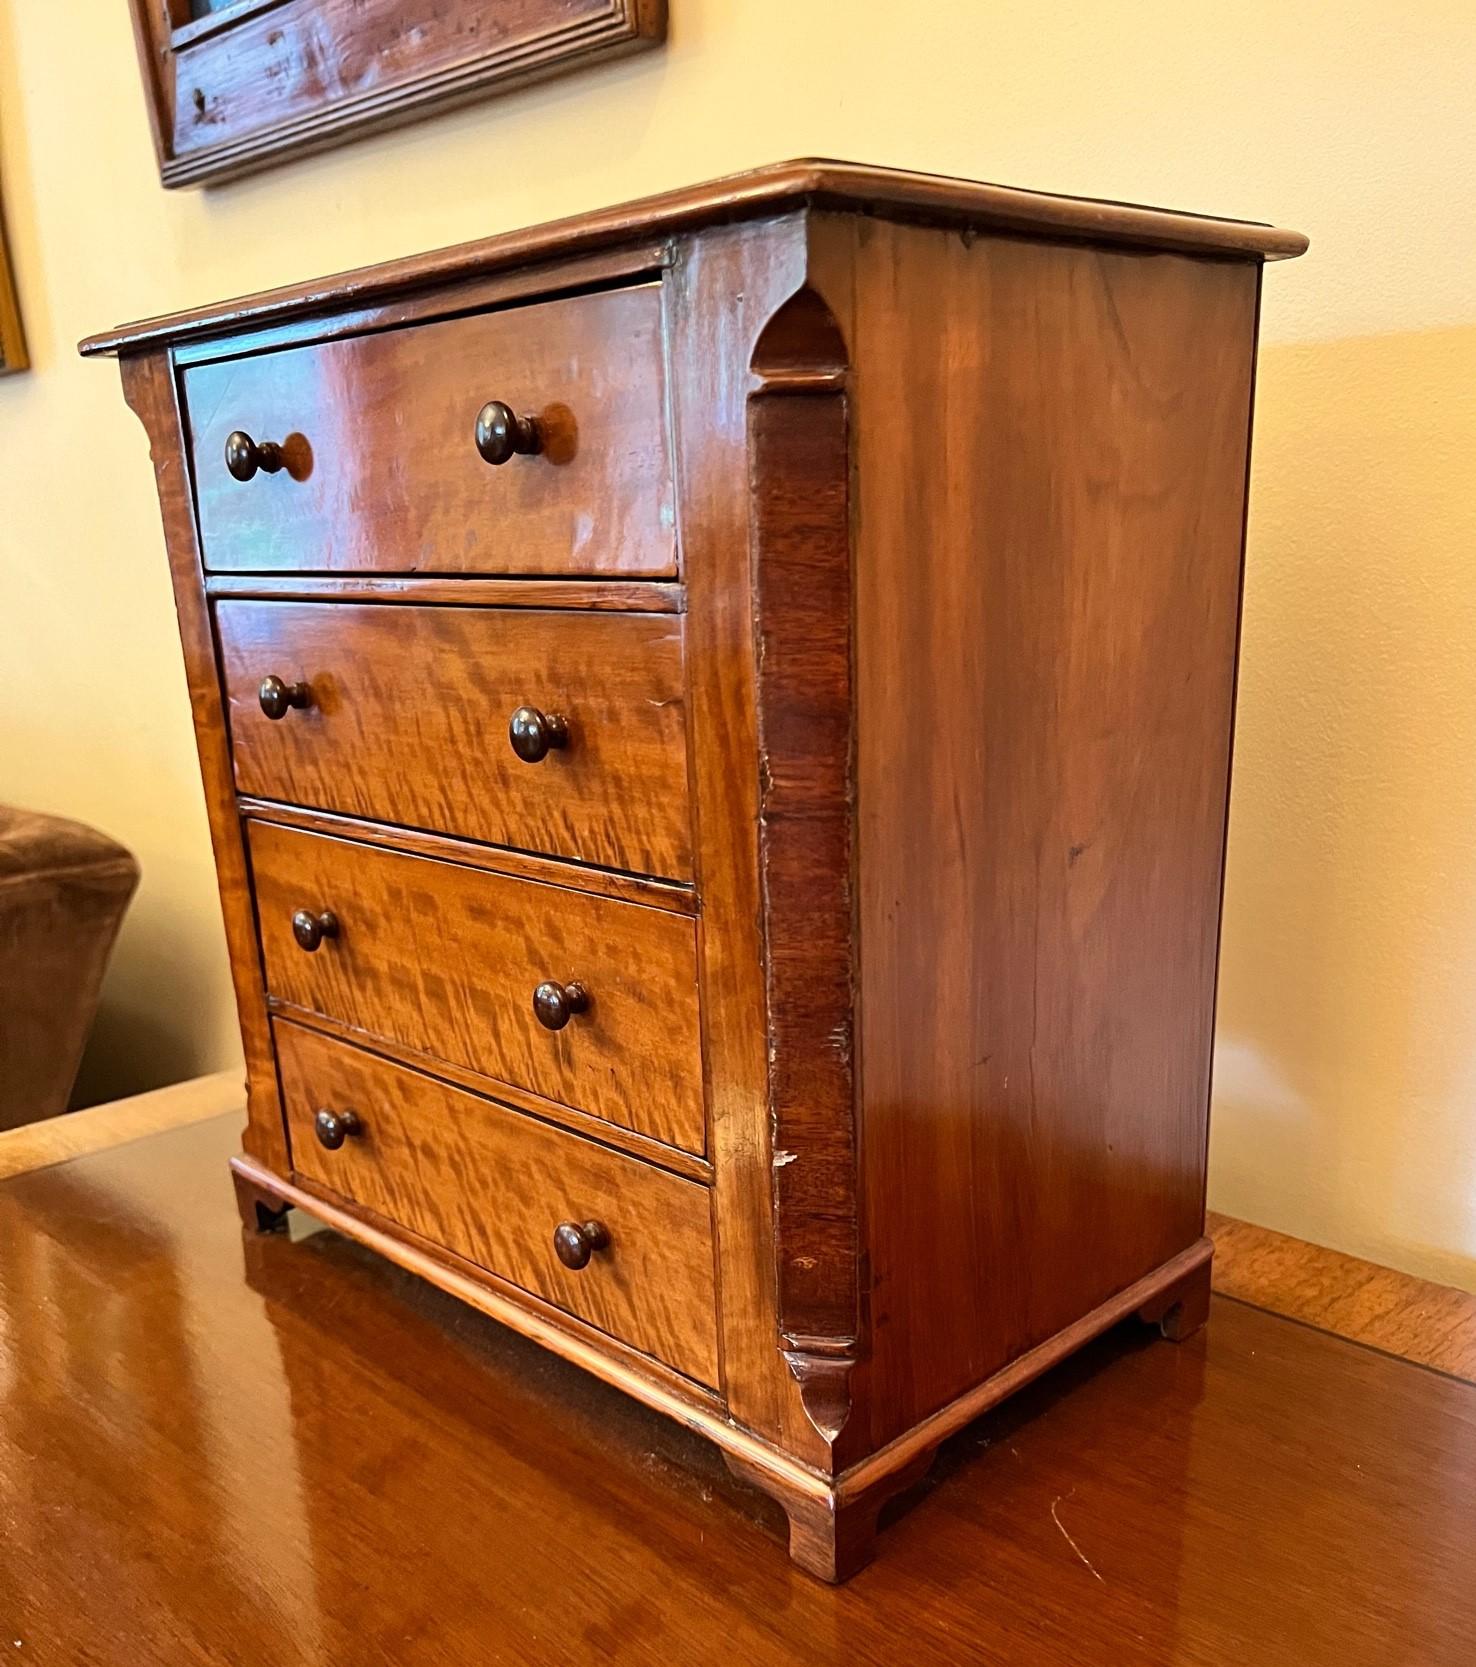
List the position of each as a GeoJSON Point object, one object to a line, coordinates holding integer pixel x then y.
{"type": "Point", "coordinates": [495, 1187]}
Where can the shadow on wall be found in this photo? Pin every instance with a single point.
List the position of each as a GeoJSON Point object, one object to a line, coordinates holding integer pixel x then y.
{"type": "Point", "coordinates": [1345, 1085]}
{"type": "Point", "coordinates": [131, 1050]}
{"type": "Point", "coordinates": [148, 1032]}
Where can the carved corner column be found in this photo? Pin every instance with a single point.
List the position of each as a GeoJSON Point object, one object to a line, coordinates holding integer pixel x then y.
{"type": "Point", "coordinates": [799, 458]}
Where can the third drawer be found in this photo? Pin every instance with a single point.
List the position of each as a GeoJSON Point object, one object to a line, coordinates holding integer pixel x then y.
{"type": "Point", "coordinates": [443, 961]}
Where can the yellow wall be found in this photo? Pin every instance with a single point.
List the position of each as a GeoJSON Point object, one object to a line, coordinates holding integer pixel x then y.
{"type": "Point", "coordinates": [1346, 1097]}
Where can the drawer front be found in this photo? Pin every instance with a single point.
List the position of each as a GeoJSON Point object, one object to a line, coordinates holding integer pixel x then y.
{"type": "Point", "coordinates": [444, 960]}
{"type": "Point", "coordinates": [492, 1186]}
{"type": "Point", "coordinates": [380, 469]}
{"type": "Point", "coordinates": [408, 712]}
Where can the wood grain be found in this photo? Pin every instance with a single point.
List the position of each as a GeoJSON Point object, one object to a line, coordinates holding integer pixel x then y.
{"type": "Point", "coordinates": [445, 960]}
{"type": "Point", "coordinates": [382, 472]}
{"type": "Point", "coordinates": [261, 83]}
{"type": "Point", "coordinates": [1048, 580]}
{"type": "Point", "coordinates": [491, 1185]}
{"type": "Point", "coordinates": [1416, 1319]}
{"type": "Point", "coordinates": [409, 717]}
{"type": "Point", "coordinates": [149, 388]}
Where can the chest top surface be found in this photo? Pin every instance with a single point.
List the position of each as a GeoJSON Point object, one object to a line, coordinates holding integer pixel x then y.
{"type": "Point", "coordinates": [757, 192]}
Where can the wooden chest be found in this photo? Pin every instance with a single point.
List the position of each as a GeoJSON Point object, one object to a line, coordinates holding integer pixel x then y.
{"type": "Point", "coordinates": [716, 723]}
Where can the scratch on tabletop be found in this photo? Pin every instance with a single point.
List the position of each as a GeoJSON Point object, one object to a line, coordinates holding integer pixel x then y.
{"type": "Point", "coordinates": [1055, 1517]}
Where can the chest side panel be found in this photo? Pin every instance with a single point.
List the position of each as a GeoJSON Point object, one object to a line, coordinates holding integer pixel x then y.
{"type": "Point", "coordinates": [1048, 582]}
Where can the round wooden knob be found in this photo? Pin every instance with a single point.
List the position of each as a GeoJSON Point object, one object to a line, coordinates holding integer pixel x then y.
{"type": "Point", "coordinates": [278, 698]}
{"type": "Point", "coordinates": [502, 433]}
{"type": "Point", "coordinates": [244, 456]}
{"type": "Point", "coordinates": [310, 929]}
{"type": "Point", "coordinates": [555, 1004]}
{"type": "Point", "coordinates": [534, 734]}
{"type": "Point", "coordinates": [334, 1127]}
{"type": "Point", "coordinates": [576, 1241]}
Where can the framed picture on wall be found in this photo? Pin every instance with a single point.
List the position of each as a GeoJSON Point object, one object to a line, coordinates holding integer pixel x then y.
{"type": "Point", "coordinates": [13, 354]}
{"type": "Point", "coordinates": [236, 85]}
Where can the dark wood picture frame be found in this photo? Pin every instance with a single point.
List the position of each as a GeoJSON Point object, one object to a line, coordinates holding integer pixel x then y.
{"type": "Point", "coordinates": [238, 85]}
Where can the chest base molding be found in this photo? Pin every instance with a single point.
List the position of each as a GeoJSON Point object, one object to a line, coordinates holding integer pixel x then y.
{"type": "Point", "coordinates": [832, 1520]}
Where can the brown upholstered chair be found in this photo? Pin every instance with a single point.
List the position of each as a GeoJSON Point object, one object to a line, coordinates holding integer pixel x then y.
{"type": "Point", "coordinates": [64, 889]}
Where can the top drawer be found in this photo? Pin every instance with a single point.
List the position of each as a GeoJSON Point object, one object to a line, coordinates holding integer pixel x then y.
{"type": "Point", "coordinates": [380, 469]}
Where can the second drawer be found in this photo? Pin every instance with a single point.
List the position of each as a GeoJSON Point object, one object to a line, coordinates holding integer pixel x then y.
{"type": "Point", "coordinates": [405, 715]}
{"type": "Point", "coordinates": [444, 960]}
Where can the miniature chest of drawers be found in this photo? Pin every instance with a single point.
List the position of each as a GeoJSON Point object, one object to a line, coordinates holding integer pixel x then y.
{"type": "Point", "coordinates": [716, 721]}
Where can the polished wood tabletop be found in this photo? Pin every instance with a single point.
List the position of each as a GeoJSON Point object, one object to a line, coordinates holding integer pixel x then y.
{"type": "Point", "coordinates": [283, 1450]}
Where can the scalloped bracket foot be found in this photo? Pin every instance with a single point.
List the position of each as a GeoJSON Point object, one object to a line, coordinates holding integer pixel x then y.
{"type": "Point", "coordinates": [261, 1211]}
{"type": "Point", "coordinates": [1182, 1309]}
{"type": "Point", "coordinates": [832, 1530]}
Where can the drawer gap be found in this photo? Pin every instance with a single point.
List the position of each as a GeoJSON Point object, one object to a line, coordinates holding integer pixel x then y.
{"type": "Point", "coordinates": [653, 891]}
